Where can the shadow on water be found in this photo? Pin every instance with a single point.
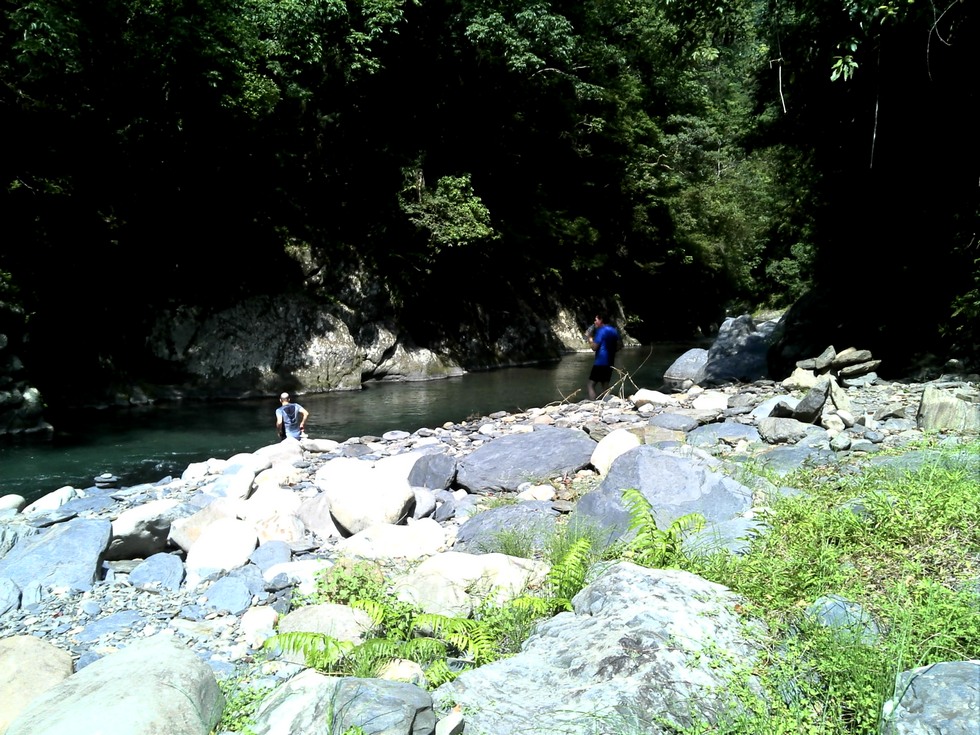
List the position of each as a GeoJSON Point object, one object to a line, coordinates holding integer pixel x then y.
{"type": "Point", "coordinates": [145, 444]}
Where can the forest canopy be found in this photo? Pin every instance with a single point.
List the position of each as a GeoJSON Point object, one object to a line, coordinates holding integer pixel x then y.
{"type": "Point", "coordinates": [685, 158]}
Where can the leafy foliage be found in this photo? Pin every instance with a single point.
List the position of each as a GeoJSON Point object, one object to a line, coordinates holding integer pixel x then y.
{"type": "Point", "coordinates": [650, 546]}
{"type": "Point", "coordinates": [634, 150]}
{"type": "Point", "coordinates": [905, 552]}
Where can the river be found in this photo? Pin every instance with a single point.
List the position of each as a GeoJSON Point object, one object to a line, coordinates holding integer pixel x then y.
{"type": "Point", "coordinates": [146, 444]}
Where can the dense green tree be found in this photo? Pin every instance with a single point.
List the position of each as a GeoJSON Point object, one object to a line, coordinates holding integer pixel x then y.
{"type": "Point", "coordinates": [679, 158]}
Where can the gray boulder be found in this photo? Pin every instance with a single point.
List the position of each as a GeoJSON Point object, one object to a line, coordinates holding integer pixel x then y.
{"type": "Point", "coordinates": [686, 370]}
{"type": "Point", "coordinates": [67, 555]}
{"type": "Point", "coordinates": [142, 531]}
{"type": "Point", "coordinates": [850, 618]}
{"type": "Point", "coordinates": [434, 471]}
{"type": "Point", "coordinates": [158, 572]}
{"type": "Point", "coordinates": [532, 520]}
{"type": "Point", "coordinates": [940, 698]}
{"type": "Point", "coordinates": [734, 536]}
{"type": "Point", "coordinates": [675, 486]}
{"type": "Point", "coordinates": [786, 459]}
{"type": "Point", "coordinates": [504, 463]}
{"type": "Point", "coordinates": [153, 686]}
{"type": "Point", "coordinates": [738, 353]}
{"type": "Point", "coordinates": [729, 432]}
{"type": "Point", "coordinates": [674, 422]}
{"type": "Point", "coordinates": [313, 704]}
{"type": "Point", "coordinates": [633, 656]}
{"type": "Point", "coordinates": [809, 408]}
{"type": "Point", "coordinates": [786, 430]}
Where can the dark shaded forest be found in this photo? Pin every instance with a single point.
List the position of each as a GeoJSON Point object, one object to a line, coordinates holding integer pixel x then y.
{"type": "Point", "coordinates": [685, 160]}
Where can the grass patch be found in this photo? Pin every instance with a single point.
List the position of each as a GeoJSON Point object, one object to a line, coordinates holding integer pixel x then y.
{"type": "Point", "coordinates": [904, 545]}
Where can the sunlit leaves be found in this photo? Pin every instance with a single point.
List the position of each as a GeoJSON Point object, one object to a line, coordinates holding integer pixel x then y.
{"type": "Point", "coordinates": [452, 215]}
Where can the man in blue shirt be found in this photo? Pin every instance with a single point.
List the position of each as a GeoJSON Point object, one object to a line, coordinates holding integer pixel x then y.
{"type": "Point", "coordinates": [290, 418]}
{"type": "Point", "coordinates": [603, 341]}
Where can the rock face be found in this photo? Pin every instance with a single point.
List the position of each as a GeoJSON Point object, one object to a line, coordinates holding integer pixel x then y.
{"type": "Point", "coordinates": [262, 344]}
{"type": "Point", "coordinates": [21, 405]}
{"type": "Point", "coordinates": [247, 349]}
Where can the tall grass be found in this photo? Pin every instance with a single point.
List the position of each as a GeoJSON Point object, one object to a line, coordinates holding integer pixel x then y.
{"type": "Point", "coordinates": [904, 545]}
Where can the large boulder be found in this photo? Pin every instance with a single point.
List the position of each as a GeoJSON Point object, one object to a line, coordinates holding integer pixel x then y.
{"type": "Point", "coordinates": [361, 493]}
{"type": "Point", "coordinates": [532, 521]}
{"type": "Point", "coordinates": [68, 555]}
{"type": "Point", "coordinates": [153, 686]}
{"type": "Point", "coordinates": [641, 652]}
{"type": "Point", "coordinates": [455, 584]}
{"type": "Point", "coordinates": [28, 668]}
{"type": "Point", "coordinates": [686, 370]}
{"type": "Point", "coordinates": [313, 704]}
{"type": "Point", "coordinates": [939, 698]}
{"type": "Point", "coordinates": [674, 486]}
{"type": "Point", "coordinates": [738, 354]}
{"type": "Point", "coordinates": [142, 531]}
{"type": "Point", "coordinates": [506, 462]}
{"type": "Point", "coordinates": [956, 408]}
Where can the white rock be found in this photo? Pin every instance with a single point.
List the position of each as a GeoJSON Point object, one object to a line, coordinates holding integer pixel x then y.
{"type": "Point", "coordinates": [12, 502]}
{"type": "Point", "coordinates": [302, 573]}
{"type": "Point", "coordinates": [644, 397]}
{"type": "Point", "coordinates": [537, 492]}
{"type": "Point", "coordinates": [258, 624]}
{"type": "Point", "coordinates": [54, 499]}
{"type": "Point", "coordinates": [416, 540]}
{"type": "Point", "coordinates": [454, 583]}
{"type": "Point", "coordinates": [711, 401]}
{"type": "Point", "coordinates": [612, 446]}
{"type": "Point", "coordinates": [224, 545]}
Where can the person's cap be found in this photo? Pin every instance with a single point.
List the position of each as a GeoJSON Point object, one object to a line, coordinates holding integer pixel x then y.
{"type": "Point", "coordinates": [284, 397]}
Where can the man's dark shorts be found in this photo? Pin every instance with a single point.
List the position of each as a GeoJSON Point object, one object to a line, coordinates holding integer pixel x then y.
{"type": "Point", "coordinates": [600, 373]}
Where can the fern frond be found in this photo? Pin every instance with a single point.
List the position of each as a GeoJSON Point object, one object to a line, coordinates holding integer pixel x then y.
{"type": "Point", "coordinates": [481, 646]}
{"type": "Point", "coordinates": [640, 511]}
{"type": "Point", "coordinates": [318, 650]}
{"type": "Point", "coordinates": [376, 610]}
{"type": "Point", "coordinates": [567, 577]}
{"type": "Point", "coordinates": [424, 650]}
{"type": "Point", "coordinates": [439, 673]}
{"type": "Point", "coordinates": [537, 606]}
{"type": "Point", "coordinates": [437, 625]}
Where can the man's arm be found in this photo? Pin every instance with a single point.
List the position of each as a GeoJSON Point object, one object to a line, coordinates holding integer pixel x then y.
{"type": "Point", "coordinates": [303, 414]}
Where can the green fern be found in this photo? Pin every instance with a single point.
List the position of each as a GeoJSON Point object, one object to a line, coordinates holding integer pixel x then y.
{"type": "Point", "coordinates": [439, 673]}
{"type": "Point", "coordinates": [651, 547]}
{"type": "Point", "coordinates": [567, 577]}
{"type": "Point", "coordinates": [565, 580]}
{"type": "Point", "coordinates": [319, 650]}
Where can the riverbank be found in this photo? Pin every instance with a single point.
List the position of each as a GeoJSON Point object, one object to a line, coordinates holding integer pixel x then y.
{"type": "Point", "coordinates": [279, 515]}
{"type": "Point", "coordinates": [146, 443]}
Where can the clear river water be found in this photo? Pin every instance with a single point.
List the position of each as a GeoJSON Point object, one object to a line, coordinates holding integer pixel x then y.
{"type": "Point", "coordinates": [146, 444]}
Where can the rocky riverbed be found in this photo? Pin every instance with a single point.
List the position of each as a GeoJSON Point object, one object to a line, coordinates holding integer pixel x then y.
{"type": "Point", "coordinates": [211, 561]}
